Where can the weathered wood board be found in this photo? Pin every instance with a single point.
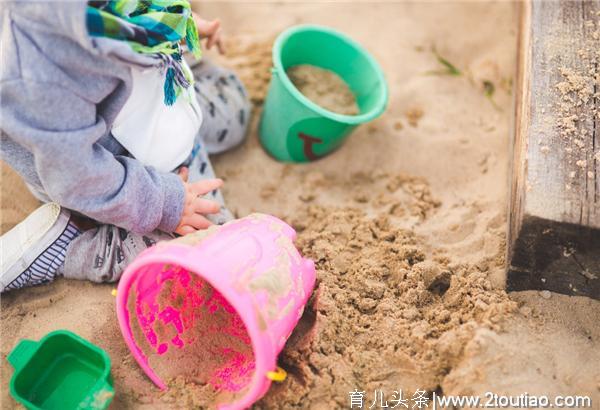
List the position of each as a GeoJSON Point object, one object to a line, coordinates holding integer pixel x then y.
{"type": "Point", "coordinates": [554, 215]}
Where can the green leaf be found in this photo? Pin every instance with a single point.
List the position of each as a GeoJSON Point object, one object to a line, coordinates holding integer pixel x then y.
{"type": "Point", "coordinates": [450, 68]}
{"type": "Point", "coordinates": [488, 88]}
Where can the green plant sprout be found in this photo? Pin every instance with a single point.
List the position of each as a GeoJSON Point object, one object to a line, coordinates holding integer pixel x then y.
{"type": "Point", "coordinates": [449, 68]}
{"type": "Point", "coordinates": [488, 90]}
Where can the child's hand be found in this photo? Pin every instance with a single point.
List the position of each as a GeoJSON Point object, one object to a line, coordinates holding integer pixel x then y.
{"type": "Point", "coordinates": [211, 30]}
{"type": "Point", "coordinates": [195, 207]}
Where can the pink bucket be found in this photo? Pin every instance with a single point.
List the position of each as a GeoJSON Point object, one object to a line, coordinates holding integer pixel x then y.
{"type": "Point", "coordinates": [219, 304]}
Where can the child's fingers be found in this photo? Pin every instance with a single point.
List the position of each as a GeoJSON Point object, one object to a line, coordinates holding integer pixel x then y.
{"type": "Point", "coordinates": [207, 28]}
{"type": "Point", "coordinates": [213, 39]}
{"type": "Point", "coordinates": [201, 24]}
{"type": "Point", "coordinates": [220, 45]}
{"type": "Point", "coordinates": [205, 186]}
{"type": "Point", "coordinates": [215, 26]}
{"type": "Point", "coordinates": [185, 230]}
{"type": "Point", "coordinates": [198, 221]}
{"type": "Point", "coordinates": [206, 206]}
{"type": "Point", "coordinates": [184, 173]}
{"type": "Point", "coordinates": [209, 42]}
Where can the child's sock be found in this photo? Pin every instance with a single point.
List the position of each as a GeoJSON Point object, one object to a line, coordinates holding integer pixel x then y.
{"type": "Point", "coordinates": [34, 251]}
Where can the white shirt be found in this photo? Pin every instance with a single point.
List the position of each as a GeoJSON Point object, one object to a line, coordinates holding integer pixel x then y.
{"type": "Point", "coordinates": [154, 133]}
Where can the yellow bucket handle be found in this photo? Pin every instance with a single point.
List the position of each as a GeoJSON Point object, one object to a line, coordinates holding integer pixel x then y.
{"type": "Point", "coordinates": [278, 375]}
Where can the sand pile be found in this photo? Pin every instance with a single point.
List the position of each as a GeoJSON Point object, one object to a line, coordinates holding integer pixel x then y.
{"type": "Point", "coordinates": [383, 310]}
{"type": "Point", "coordinates": [323, 87]}
{"type": "Point", "coordinates": [251, 60]}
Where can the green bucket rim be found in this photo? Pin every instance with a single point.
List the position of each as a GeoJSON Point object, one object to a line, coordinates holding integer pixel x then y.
{"type": "Point", "coordinates": [347, 119]}
{"type": "Point", "coordinates": [61, 332]}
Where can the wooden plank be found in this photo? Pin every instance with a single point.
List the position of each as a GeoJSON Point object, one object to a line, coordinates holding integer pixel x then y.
{"type": "Point", "coordinates": [554, 215]}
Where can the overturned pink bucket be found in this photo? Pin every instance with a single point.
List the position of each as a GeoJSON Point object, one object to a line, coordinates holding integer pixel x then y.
{"type": "Point", "coordinates": [218, 305]}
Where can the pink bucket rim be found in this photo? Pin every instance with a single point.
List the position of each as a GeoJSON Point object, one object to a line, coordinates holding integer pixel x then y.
{"type": "Point", "coordinates": [261, 342]}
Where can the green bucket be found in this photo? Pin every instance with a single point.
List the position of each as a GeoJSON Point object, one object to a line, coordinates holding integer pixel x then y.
{"type": "Point", "coordinates": [62, 371]}
{"type": "Point", "coordinates": [295, 129]}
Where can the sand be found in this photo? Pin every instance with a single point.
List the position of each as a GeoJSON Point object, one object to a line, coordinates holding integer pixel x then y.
{"type": "Point", "coordinates": [323, 87]}
{"type": "Point", "coordinates": [406, 223]}
{"type": "Point", "coordinates": [403, 324]}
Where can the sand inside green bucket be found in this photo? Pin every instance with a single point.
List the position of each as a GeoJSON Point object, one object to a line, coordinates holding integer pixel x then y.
{"type": "Point", "coordinates": [323, 87]}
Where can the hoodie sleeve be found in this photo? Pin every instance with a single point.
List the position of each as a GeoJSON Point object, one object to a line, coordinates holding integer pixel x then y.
{"type": "Point", "coordinates": [62, 130]}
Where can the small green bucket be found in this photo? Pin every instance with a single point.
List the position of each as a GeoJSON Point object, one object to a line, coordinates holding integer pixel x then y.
{"type": "Point", "coordinates": [62, 371]}
{"type": "Point", "coordinates": [295, 129]}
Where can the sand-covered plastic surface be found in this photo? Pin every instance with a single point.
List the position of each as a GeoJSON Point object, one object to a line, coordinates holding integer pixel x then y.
{"type": "Point", "coordinates": [406, 223]}
{"type": "Point", "coordinates": [213, 338]}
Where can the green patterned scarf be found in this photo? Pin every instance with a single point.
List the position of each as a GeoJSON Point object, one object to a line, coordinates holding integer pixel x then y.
{"type": "Point", "coordinates": [152, 27]}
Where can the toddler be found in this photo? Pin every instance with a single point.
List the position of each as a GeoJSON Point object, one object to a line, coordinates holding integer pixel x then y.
{"type": "Point", "coordinates": [111, 128]}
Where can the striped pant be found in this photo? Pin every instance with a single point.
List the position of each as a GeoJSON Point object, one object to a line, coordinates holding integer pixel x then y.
{"type": "Point", "coordinates": [48, 263]}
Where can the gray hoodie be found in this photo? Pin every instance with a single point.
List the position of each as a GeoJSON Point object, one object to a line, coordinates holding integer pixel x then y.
{"type": "Point", "coordinates": [60, 91]}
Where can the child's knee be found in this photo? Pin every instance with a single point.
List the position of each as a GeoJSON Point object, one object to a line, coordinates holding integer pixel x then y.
{"type": "Point", "coordinates": [236, 110]}
{"type": "Point", "coordinates": [227, 111]}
